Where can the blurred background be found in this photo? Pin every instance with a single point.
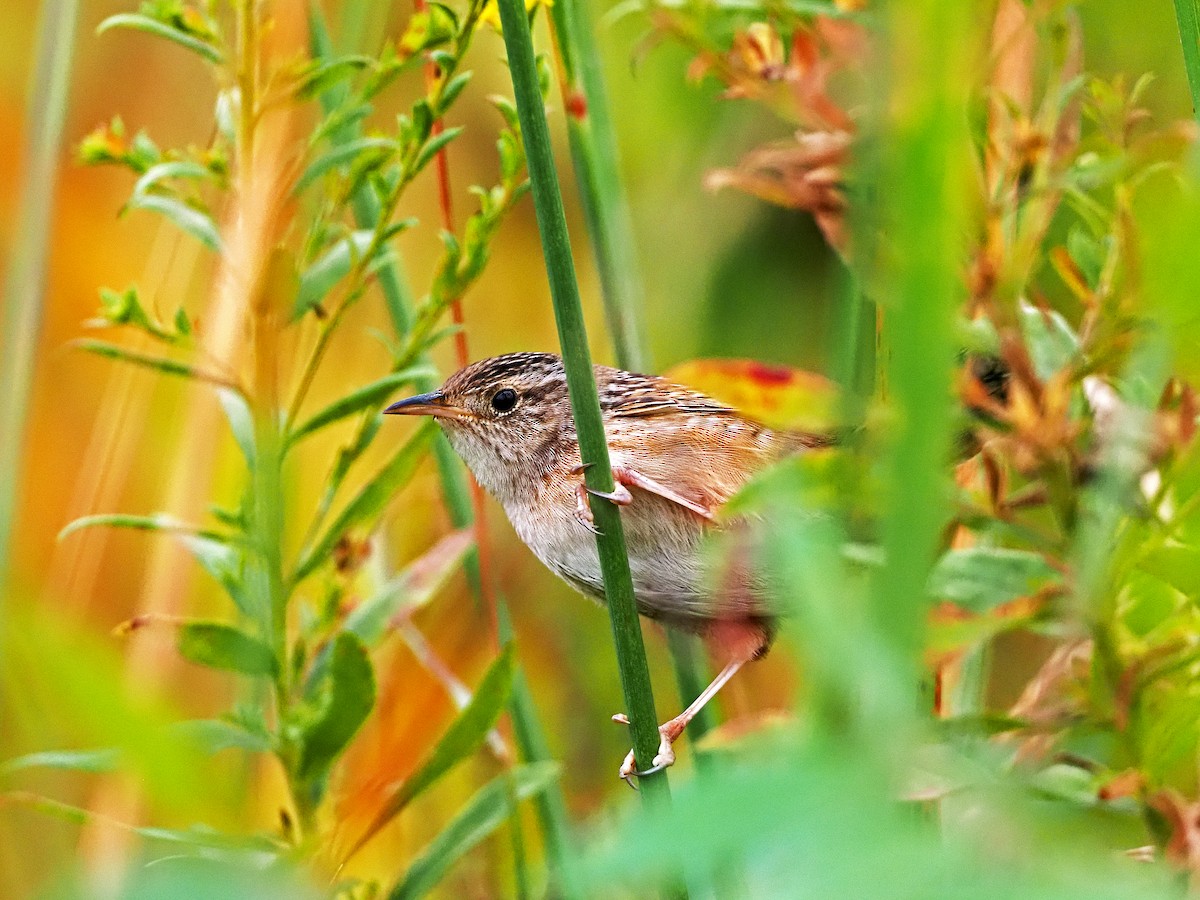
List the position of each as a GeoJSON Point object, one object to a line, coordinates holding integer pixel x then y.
{"type": "Point", "coordinates": [725, 275]}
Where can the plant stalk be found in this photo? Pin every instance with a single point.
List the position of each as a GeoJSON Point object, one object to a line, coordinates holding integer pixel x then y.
{"type": "Point", "coordinates": [1187, 14]}
{"type": "Point", "coordinates": [594, 153]}
{"type": "Point", "coordinates": [585, 401]}
{"type": "Point", "coordinates": [24, 284]}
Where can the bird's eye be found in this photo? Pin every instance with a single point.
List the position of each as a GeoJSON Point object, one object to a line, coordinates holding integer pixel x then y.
{"type": "Point", "coordinates": [504, 400]}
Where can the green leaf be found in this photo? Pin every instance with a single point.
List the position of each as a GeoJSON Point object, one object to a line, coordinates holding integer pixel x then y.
{"type": "Point", "coordinates": [462, 738]}
{"type": "Point", "coordinates": [139, 22]}
{"type": "Point", "coordinates": [343, 154]}
{"type": "Point", "coordinates": [215, 735]}
{"type": "Point", "coordinates": [157, 363]}
{"type": "Point", "coordinates": [158, 522]}
{"type": "Point", "coordinates": [335, 264]}
{"type": "Point", "coordinates": [369, 501]}
{"type": "Point", "coordinates": [221, 646]}
{"type": "Point", "coordinates": [412, 588]}
{"type": "Point", "coordinates": [338, 703]}
{"type": "Point", "coordinates": [453, 88]}
{"type": "Point", "coordinates": [323, 75]}
{"type": "Point", "coordinates": [434, 144]}
{"type": "Point", "coordinates": [73, 760]}
{"type": "Point", "coordinates": [483, 813]}
{"type": "Point", "coordinates": [1053, 344]}
{"type": "Point", "coordinates": [176, 168]}
{"type": "Point", "coordinates": [225, 563]}
{"type": "Point", "coordinates": [370, 395]}
{"type": "Point", "coordinates": [981, 578]}
{"type": "Point", "coordinates": [241, 422]}
{"type": "Point", "coordinates": [188, 219]}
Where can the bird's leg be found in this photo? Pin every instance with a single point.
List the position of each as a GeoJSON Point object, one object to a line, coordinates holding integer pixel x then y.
{"type": "Point", "coordinates": [583, 512]}
{"type": "Point", "coordinates": [626, 478]}
{"type": "Point", "coordinates": [669, 731]}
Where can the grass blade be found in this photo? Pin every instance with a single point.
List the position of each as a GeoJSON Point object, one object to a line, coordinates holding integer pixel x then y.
{"type": "Point", "coordinates": [462, 738]}
{"type": "Point", "coordinates": [585, 402]}
{"type": "Point", "coordinates": [24, 283]}
{"type": "Point", "coordinates": [486, 811]}
{"type": "Point", "coordinates": [1187, 14]}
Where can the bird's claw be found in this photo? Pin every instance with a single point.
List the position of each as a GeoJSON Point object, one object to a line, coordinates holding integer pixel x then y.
{"type": "Point", "coordinates": [662, 760]}
{"type": "Point", "coordinates": [619, 495]}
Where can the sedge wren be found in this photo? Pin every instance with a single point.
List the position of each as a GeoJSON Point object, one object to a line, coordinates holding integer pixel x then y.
{"type": "Point", "coordinates": [677, 455]}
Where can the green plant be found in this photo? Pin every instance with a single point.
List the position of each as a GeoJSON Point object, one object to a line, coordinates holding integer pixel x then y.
{"type": "Point", "coordinates": [302, 232]}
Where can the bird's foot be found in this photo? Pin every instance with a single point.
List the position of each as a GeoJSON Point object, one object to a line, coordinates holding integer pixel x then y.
{"type": "Point", "coordinates": [668, 733]}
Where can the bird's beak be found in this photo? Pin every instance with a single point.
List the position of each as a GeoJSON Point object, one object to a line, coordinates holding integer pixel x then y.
{"type": "Point", "coordinates": [431, 404]}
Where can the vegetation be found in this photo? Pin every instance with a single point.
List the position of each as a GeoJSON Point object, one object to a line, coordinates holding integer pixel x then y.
{"type": "Point", "coordinates": [989, 590]}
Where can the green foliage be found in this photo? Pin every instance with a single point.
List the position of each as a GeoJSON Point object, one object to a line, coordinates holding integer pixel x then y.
{"type": "Point", "coordinates": [314, 677]}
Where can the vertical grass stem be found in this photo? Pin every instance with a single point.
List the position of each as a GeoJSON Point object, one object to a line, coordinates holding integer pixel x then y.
{"type": "Point", "coordinates": [585, 402]}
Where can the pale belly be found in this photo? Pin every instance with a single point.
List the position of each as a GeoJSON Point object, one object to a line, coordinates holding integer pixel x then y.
{"type": "Point", "coordinates": [666, 558]}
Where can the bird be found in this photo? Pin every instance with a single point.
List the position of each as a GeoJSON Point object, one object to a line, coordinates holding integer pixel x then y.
{"type": "Point", "coordinates": [677, 455]}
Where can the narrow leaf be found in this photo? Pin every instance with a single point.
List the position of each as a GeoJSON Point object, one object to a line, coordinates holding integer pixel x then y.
{"type": "Point", "coordinates": [241, 422]}
{"type": "Point", "coordinates": [73, 760]}
{"type": "Point", "coordinates": [341, 700]}
{"type": "Point", "coordinates": [157, 363]}
{"type": "Point", "coordinates": [371, 500]}
{"type": "Point", "coordinates": [187, 218]}
{"type": "Point", "coordinates": [176, 168]}
{"type": "Point", "coordinates": [215, 735]}
{"type": "Point", "coordinates": [157, 522]}
{"type": "Point", "coordinates": [434, 144]}
{"type": "Point", "coordinates": [412, 588]}
{"type": "Point", "coordinates": [341, 155]}
{"type": "Point", "coordinates": [140, 22]}
{"type": "Point", "coordinates": [370, 395]}
{"type": "Point", "coordinates": [483, 813]}
{"type": "Point", "coordinates": [221, 646]}
{"type": "Point", "coordinates": [462, 738]}
{"type": "Point", "coordinates": [982, 578]}
{"type": "Point", "coordinates": [223, 562]}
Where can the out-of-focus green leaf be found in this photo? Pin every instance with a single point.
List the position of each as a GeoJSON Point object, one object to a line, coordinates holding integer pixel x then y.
{"type": "Point", "coordinates": [1148, 602]}
{"type": "Point", "coordinates": [72, 681]}
{"type": "Point", "coordinates": [215, 735]}
{"type": "Point", "coordinates": [464, 736]}
{"type": "Point", "coordinates": [982, 578]}
{"type": "Point", "coordinates": [369, 501]}
{"type": "Point", "coordinates": [1052, 342]}
{"type": "Point", "coordinates": [187, 218]}
{"type": "Point", "coordinates": [222, 646]}
{"type": "Point", "coordinates": [158, 363]}
{"type": "Point", "coordinates": [241, 422]}
{"type": "Point", "coordinates": [335, 264]}
{"type": "Point", "coordinates": [343, 154]}
{"type": "Point", "coordinates": [412, 588]}
{"type": "Point", "coordinates": [73, 760]}
{"type": "Point", "coordinates": [323, 75]}
{"type": "Point", "coordinates": [139, 22]}
{"type": "Point", "coordinates": [157, 522]}
{"type": "Point", "coordinates": [434, 145]}
{"type": "Point", "coordinates": [483, 813]}
{"type": "Point", "coordinates": [370, 395]}
{"type": "Point", "coordinates": [337, 704]}
{"type": "Point", "coordinates": [175, 168]}
{"type": "Point", "coordinates": [225, 563]}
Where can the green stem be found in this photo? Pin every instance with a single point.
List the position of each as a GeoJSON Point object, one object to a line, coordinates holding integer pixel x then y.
{"type": "Point", "coordinates": [594, 153]}
{"type": "Point", "coordinates": [24, 284]}
{"type": "Point", "coordinates": [585, 402]}
{"type": "Point", "coordinates": [1187, 14]}
{"type": "Point", "coordinates": [925, 170]}
{"type": "Point", "coordinates": [531, 742]}
{"type": "Point", "coordinates": [597, 168]}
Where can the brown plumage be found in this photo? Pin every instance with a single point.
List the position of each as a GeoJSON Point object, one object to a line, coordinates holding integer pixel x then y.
{"type": "Point", "coordinates": [677, 455]}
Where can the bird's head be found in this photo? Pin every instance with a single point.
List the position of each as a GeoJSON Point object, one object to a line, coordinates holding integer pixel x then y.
{"type": "Point", "coordinates": [506, 416]}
